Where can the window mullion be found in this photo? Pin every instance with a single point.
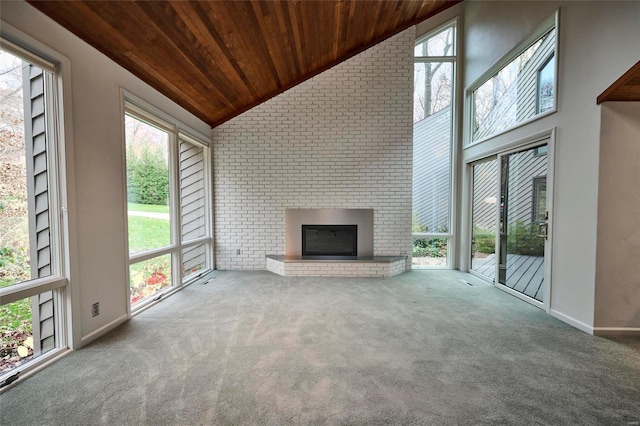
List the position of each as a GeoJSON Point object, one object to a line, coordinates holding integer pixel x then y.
{"type": "Point", "coordinates": [30, 288]}
{"type": "Point", "coordinates": [427, 59]}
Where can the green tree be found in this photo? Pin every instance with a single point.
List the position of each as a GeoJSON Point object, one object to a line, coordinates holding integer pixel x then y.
{"type": "Point", "coordinates": [147, 176]}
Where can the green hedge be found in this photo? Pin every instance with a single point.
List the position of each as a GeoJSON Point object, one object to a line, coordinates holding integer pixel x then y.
{"type": "Point", "coordinates": [147, 176]}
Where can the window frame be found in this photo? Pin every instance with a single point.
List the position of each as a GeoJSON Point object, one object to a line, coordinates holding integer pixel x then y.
{"type": "Point", "coordinates": [177, 131]}
{"type": "Point", "coordinates": [207, 239]}
{"type": "Point", "coordinates": [58, 281]}
{"type": "Point", "coordinates": [455, 23]}
{"type": "Point", "coordinates": [469, 110]}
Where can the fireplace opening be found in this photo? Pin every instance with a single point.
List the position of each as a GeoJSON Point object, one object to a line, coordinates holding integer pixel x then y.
{"type": "Point", "coordinates": [329, 240]}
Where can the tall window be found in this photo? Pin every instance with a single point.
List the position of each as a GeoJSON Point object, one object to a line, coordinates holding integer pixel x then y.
{"type": "Point", "coordinates": [31, 237]}
{"type": "Point", "coordinates": [167, 206]}
{"type": "Point", "coordinates": [433, 96]}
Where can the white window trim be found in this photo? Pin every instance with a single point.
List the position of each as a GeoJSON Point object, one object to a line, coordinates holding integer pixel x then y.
{"type": "Point", "coordinates": [138, 108]}
{"type": "Point", "coordinates": [456, 23]}
{"type": "Point", "coordinates": [61, 199]}
{"type": "Point", "coordinates": [529, 141]}
{"type": "Point", "coordinates": [551, 22]}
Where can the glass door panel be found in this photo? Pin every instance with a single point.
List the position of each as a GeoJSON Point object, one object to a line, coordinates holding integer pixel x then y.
{"type": "Point", "coordinates": [484, 218]}
{"type": "Point", "coordinates": [523, 221]}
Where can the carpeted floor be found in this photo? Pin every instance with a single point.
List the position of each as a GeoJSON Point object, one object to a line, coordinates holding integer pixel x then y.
{"type": "Point", "coordinates": [420, 348]}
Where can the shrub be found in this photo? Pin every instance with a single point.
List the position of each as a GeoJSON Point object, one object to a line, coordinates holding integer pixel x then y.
{"type": "Point", "coordinates": [147, 176]}
{"type": "Point", "coordinates": [429, 247]}
{"type": "Point", "coordinates": [524, 239]}
{"type": "Point", "coordinates": [484, 241]}
{"type": "Point", "coordinates": [416, 226]}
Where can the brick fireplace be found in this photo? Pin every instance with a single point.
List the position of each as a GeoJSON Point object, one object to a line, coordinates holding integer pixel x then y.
{"type": "Point", "coordinates": [336, 262]}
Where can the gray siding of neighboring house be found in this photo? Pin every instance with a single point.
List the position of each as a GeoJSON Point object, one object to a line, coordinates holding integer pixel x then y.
{"type": "Point", "coordinates": [528, 79]}
{"type": "Point", "coordinates": [193, 214]}
{"type": "Point", "coordinates": [432, 170]}
{"type": "Point", "coordinates": [42, 306]}
{"type": "Point", "coordinates": [524, 167]}
{"type": "Point", "coordinates": [485, 195]}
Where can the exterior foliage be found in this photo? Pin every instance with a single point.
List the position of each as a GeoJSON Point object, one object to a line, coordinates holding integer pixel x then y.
{"type": "Point", "coordinates": [147, 176]}
{"type": "Point", "coordinates": [484, 241]}
{"type": "Point", "coordinates": [523, 238]}
{"type": "Point", "coordinates": [148, 278]}
{"type": "Point", "coordinates": [16, 340]}
{"type": "Point", "coordinates": [427, 247]}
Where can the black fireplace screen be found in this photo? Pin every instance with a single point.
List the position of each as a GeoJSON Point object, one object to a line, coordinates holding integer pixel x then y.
{"type": "Point", "coordinates": [329, 240]}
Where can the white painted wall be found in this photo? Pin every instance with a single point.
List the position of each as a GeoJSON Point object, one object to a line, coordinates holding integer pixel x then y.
{"type": "Point", "coordinates": [342, 139]}
{"type": "Point", "coordinates": [598, 43]}
{"type": "Point", "coordinates": [95, 160]}
{"type": "Point", "coordinates": [618, 261]}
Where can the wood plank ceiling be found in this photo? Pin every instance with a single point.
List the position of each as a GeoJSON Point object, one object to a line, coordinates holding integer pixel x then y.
{"type": "Point", "coordinates": [625, 89]}
{"type": "Point", "coordinates": [218, 59]}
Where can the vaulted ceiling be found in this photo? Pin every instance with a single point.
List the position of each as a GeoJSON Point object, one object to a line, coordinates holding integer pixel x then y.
{"type": "Point", "coordinates": [218, 59]}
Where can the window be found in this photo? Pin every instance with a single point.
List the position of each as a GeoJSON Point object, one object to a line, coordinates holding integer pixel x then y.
{"type": "Point", "coordinates": [167, 206]}
{"type": "Point", "coordinates": [433, 100]}
{"type": "Point", "coordinates": [433, 78]}
{"type": "Point", "coordinates": [521, 87]}
{"type": "Point", "coordinates": [546, 86]}
{"type": "Point", "coordinates": [31, 234]}
{"type": "Point", "coordinates": [540, 150]}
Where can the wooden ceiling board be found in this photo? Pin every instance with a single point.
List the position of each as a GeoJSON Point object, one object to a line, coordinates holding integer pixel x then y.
{"type": "Point", "coordinates": [624, 89]}
{"type": "Point", "coordinates": [220, 58]}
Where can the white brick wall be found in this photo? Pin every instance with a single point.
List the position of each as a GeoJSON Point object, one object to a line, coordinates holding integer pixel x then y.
{"type": "Point", "coordinates": [342, 139]}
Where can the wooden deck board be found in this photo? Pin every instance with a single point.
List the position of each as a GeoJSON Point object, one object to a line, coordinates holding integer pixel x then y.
{"type": "Point", "coordinates": [525, 274]}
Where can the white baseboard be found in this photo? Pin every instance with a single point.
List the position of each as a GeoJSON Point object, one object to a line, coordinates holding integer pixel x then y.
{"type": "Point", "coordinates": [572, 321]}
{"type": "Point", "coordinates": [616, 331]}
{"type": "Point", "coordinates": [103, 330]}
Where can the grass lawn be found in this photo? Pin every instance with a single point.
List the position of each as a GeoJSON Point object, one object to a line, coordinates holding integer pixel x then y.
{"type": "Point", "coordinates": [145, 232]}
{"type": "Point", "coordinates": [147, 208]}
{"type": "Point", "coordinates": [148, 233]}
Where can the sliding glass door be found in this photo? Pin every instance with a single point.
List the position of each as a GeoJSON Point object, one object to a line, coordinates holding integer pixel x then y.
{"type": "Point", "coordinates": [523, 221]}
{"type": "Point", "coordinates": [510, 205]}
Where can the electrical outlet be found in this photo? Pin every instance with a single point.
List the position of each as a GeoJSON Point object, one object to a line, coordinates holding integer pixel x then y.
{"type": "Point", "coordinates": [95, 309]}
{"type": "Point", "coordinates": [403, 253]}
{"type": "Point", "coordinates": [238, 252]}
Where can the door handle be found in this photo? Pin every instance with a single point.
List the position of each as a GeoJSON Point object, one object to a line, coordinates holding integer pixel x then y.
{"type": "Point", "coordinates": [544, 226]}
{"type": "Point", "coordinates": [544, 230]}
